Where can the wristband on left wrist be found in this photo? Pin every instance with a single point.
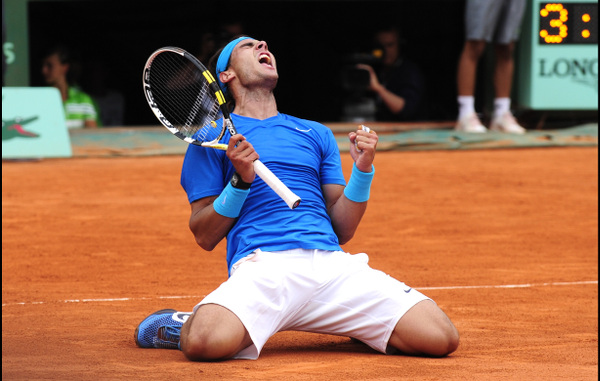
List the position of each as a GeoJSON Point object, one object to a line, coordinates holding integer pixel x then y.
{"type": "Point", "coordinates": [359, 185]}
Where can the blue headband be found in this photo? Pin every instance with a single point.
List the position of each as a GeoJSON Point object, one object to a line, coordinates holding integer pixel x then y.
{"type": "Point", "coordinates": [224, 57]}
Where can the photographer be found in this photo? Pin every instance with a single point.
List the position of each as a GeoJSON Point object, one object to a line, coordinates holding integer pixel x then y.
{"type": "Point", "coordinates": [398, 83]}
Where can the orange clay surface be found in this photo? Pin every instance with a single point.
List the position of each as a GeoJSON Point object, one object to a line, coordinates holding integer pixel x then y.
{"type": "Point", "coordinates": [90, 246]}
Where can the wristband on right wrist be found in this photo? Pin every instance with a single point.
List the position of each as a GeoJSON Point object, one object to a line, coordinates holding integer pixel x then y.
{"type": "Point", "coordinates": [359, 185]}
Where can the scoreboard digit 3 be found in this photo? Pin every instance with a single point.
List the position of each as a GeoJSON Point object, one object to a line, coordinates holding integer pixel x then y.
{"type": "Point", "coordinates": [558, 56]}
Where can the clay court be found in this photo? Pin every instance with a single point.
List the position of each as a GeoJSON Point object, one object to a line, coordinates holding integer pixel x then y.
{"type": "Point", "coordinates": [504, 240]}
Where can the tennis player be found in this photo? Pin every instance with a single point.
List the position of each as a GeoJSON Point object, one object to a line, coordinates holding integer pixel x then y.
{"type": "Point", "coordinates": [287, 270]}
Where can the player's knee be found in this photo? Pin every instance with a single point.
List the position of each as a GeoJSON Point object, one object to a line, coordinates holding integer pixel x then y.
{"type": "Point", "coordinates": [199, 348]}
{"type": "Point", "coordinates": [446, 342]}
{"type": "Point", "coordinates": [207, 346]}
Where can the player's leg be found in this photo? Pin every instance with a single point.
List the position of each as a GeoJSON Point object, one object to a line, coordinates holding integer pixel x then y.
{"type": "Point", "coordinates": [226, 325]}
{"type": "Point", "coordinates": [358, 301]}
{"type": "Point", "coordinates": [213, 333]}
{"type": "Point", "coordinates": [425, 330]}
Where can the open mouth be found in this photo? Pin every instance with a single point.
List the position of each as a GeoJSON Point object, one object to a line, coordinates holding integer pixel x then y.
{"type": "Point", "coordinates": [265, 59]}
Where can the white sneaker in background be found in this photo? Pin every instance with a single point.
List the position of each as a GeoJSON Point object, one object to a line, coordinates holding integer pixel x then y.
{"type": "Point", "coordinates": [470, 123]}
{"type": "Point", "coordinates": [507, 123]}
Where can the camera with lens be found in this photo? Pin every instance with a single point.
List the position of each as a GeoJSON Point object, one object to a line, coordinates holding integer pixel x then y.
{"type": "Point", "coordinates": [359, 105]}
{"type": "Point", "coordinates": [355, 79]}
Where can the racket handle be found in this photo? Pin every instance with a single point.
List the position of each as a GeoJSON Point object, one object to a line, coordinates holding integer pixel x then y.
{"type": "Point", "coordinates": [291, 199]}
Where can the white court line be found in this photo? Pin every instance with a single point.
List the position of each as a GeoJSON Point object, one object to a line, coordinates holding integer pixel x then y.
{"type": "Point", "coordinates": [105, 300]}
{"type": "Point", "coordinates": [525, 285]}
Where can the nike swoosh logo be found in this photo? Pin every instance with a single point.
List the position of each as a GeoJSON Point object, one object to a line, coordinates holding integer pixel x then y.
{"type": "Point", "coordinates": [181, 316]}
{"type": "Point", "coordinates": [309, 130]}
{"type": "Point", "coordinates": [407, 291]}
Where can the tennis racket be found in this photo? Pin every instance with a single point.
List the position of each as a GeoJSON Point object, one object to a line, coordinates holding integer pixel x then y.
{"type": "Point", "coordinates": [188, 101]}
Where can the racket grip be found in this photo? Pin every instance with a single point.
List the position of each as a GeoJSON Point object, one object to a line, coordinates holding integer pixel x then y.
{"type": "Point", "coordinates": [290, 198]}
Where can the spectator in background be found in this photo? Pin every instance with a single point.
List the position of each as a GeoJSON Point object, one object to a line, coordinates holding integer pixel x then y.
{"type": "Point", "coordinates": [60, 70]}
{"type": "Point", "coordinates": [487, 21]}
{"type": "Point", "coordinates": [398, 82]}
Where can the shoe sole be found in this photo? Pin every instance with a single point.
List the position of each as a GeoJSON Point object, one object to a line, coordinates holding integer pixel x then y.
{"type": "Point", "coordinates": [137, 330]}
{"type": "Point", "coordinates": [507, 132]}
{"type": "Point", "coordinates": [471, 131]}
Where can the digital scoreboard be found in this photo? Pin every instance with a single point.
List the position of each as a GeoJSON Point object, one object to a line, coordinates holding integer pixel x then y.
{"type": "Point", "coordinates": [557, 61]}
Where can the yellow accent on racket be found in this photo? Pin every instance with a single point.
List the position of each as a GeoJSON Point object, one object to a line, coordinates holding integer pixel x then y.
{"type": "Point", "coordinates": [208, 76]}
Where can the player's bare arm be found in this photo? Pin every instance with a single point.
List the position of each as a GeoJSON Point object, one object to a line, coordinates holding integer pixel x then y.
{"type": "Point", "coordinates": [208, 226]}
{"type": "Point", "coordinates": [346, 214]}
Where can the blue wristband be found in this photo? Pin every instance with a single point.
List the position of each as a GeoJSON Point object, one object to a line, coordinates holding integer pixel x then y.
{"type": "Point", "coordinates": [230, 201]}
{"type": "Point", "coordinates": [359, 185]}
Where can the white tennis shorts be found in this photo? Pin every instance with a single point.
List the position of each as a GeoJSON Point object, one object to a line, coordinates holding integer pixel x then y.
{"type": "Point", "coordinates": [316, 291]}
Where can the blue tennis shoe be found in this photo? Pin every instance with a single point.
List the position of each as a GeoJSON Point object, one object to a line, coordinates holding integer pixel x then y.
{"type": "Point", "coordinates": [161, 329]}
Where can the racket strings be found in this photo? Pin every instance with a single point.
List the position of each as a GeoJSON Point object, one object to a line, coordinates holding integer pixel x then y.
{"type": "Point", "coordinates": [183, 96]}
